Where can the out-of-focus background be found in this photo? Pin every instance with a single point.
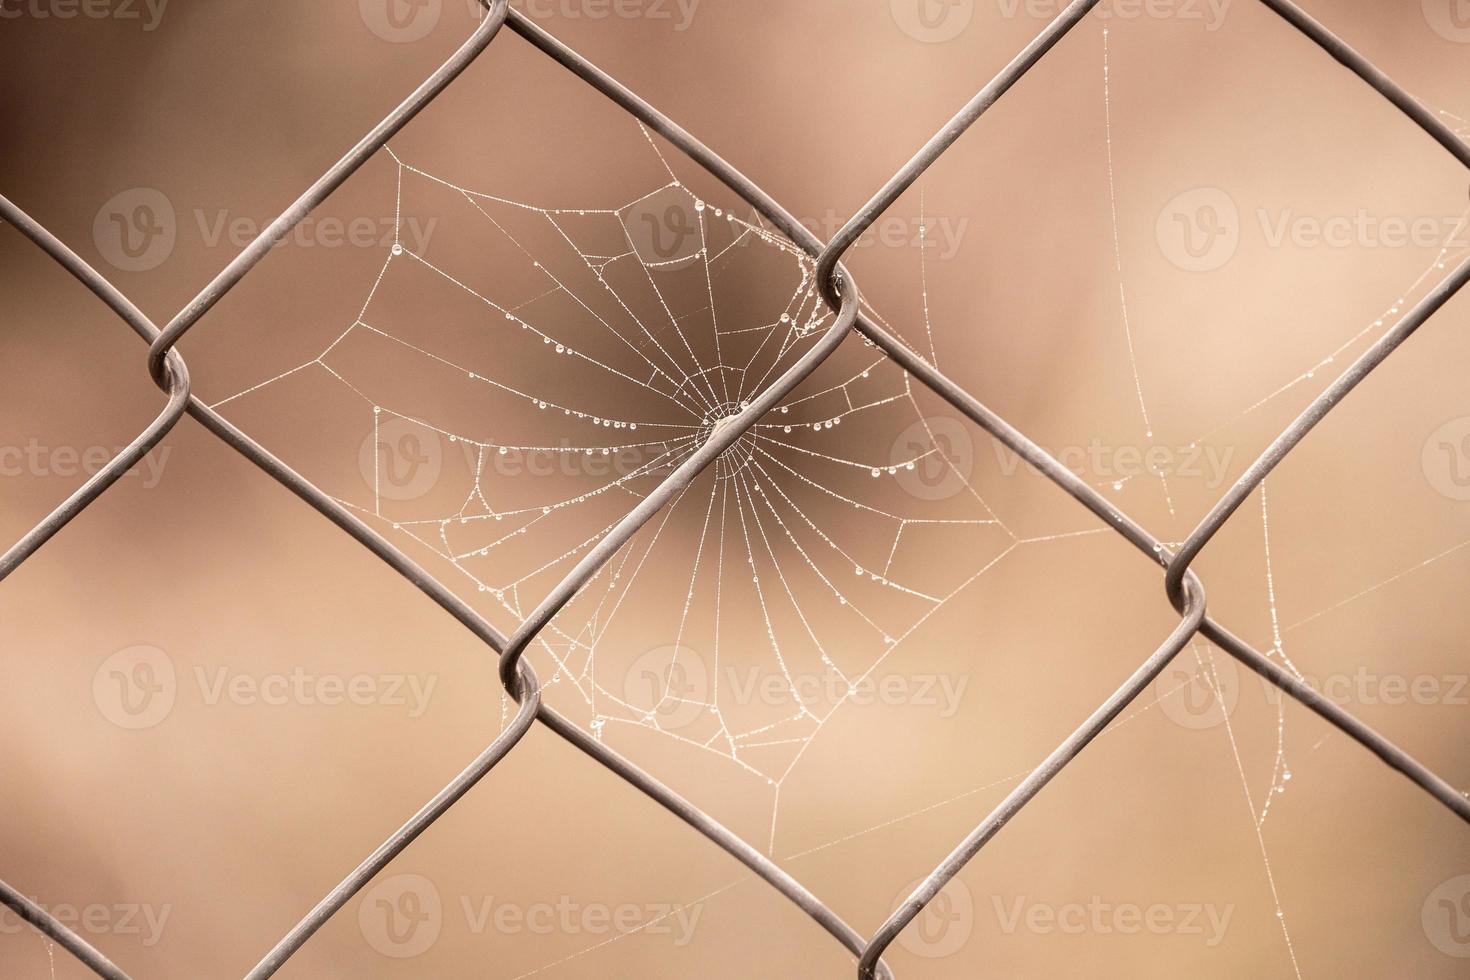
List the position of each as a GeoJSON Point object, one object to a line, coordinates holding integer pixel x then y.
{"type": "Point", "coordinates": [1149, 256]}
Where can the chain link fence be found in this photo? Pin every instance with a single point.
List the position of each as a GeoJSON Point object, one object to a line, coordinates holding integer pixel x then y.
{"type": "Point", "coordinates": [1183, 589]}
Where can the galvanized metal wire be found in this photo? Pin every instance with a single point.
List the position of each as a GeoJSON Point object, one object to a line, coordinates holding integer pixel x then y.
{"type": "Point", "coordinates": [1182, 587]}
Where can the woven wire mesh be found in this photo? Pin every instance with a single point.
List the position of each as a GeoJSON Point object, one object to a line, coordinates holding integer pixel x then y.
{"type": "Point", "coordinates": [1183, 588]}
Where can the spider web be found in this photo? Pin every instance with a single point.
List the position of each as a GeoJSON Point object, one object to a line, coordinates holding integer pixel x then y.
{"type": "Point", "coordinates": [527, 382]}
{"type": "Point", "coordinates": [555, 364]}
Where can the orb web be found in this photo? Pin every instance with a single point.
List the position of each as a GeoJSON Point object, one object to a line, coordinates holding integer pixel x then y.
{"type": "Point", "coordinates": [534, 371]}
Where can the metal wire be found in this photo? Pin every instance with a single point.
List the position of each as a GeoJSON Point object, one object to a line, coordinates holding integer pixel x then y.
{"type": "Point", "coordinates": [44, 922]}
{"type": "Point", "coordinates": [1183, 588]}
{"type": "Point", "coordinates": [408, 833]}
{"type": "Point", "coordinates": [175, 382]}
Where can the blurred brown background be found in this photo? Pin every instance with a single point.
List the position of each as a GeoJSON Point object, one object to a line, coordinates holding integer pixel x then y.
{"type": "Point", "coordinates": [1270, 211]}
